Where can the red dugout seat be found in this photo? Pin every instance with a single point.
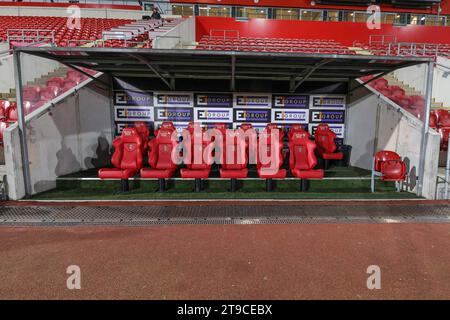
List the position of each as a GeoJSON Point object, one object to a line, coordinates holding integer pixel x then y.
{"type": "Point", "coordinates": [234, 158]}
{"type": "Point", "coordinates": [198, 157]}
{"type": "Point", "coordinates": [390, 167]}
{"type": "Point", "coordinates": [142, 129]}
{"type": "Point", "coordinates": [160, 158]}
{"type": "Point", "coordinates": [326, 145]}
{"type": "Point", "coordinates": [302, 159]}
{"type": "Point", "coordinates": [127, 157]}
{"type": "Point", "coordinates": [270, 158]}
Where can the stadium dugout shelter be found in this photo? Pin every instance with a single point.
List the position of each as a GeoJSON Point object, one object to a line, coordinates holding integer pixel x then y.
{"type": "Point", "coordinates": [66, 143]}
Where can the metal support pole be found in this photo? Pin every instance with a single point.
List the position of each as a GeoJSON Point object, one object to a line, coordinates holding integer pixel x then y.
{"type": "Point", "coordinates": [233, 73]}
{"type": "Point", "coordinates": [447, 173]}
{"type": "Point", "coordinates": [22, 124]}
{"type": "Point", "coordinates": [426, 123]}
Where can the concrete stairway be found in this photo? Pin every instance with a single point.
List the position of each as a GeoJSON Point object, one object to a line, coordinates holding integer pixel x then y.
{"type": "Point", "coordinates": [11, 95]}
{"type": "Point", "coordinates": [393, 81]}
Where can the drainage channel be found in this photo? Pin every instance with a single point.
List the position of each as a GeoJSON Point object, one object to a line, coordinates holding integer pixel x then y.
{"type": "Point", "coordinates": [233, 214]}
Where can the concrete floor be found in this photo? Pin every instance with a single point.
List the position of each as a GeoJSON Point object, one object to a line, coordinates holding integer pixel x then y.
{"type": "Point", "coordinates": [295, 261]}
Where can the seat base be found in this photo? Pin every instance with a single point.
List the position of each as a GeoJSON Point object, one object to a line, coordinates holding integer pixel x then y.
{"type": "Point", "coordinates": [272, 174]}
{"type": "Point", "coordinates": [333, 156]}
{"type": "Point", "coordinates": [195, 174]}
{"type": "Point", "coordinates": [308, 174]}
{"type": "Point", "coordinates": [156, 173]}
{"type": "Point", "coordinates": [233, 174]}
{"type": "Point", "coordinates": [116, 174]}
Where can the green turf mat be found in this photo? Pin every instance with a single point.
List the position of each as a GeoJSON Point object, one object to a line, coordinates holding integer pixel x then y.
{"type": "Point", "coordinates": [219, 189]}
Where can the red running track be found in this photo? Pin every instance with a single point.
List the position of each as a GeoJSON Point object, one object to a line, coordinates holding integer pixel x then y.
{"type": "Point", "coordinates": [321, 261]}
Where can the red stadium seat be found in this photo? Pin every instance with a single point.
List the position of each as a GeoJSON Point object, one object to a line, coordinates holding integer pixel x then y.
{"type": "Point", "coordinates": [302, 159]}
{"type": "Point", "coordinates": [31, 93]}
{"type": "Point", "coordinates": [11, 113]}
{"type": "Point", "coordinates": [326, 145]}
{"type": "Point", "coordinates": [271, 159]}
{"type": "Point", "coordinates": [3, 126]}
{"type": "Point", "coordinates": [444, 132]}
{"type": "Point", "coordinates": [433, 121]}
{"type": "Point", "coordinates": [56, 82]}
{"type": "Point", "coordinates": [2, 113]}
{"type": "Point", "coordinates": [198, 157]}
{"type": "Point", "coordinates": [389, 166]}
{"type": "Point", "coordinates": [234, 159]}
{"type": "Point", "coordinates": [127, 157]}
{"type": "Point", "coordinates": [160, 157]}
{"type": "Point", "coordinates": [142, 129]}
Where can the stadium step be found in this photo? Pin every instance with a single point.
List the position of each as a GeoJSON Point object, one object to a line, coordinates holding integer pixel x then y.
{"type": "Point", "coordinates": [392, 80]}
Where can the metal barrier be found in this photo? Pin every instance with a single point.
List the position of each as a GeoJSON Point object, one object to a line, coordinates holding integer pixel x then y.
{"type": "Point", "coordinates": [383, 39]}
{"type": "Point", "coordinates": [224, 31]}
{"type": "Point", "coordinates": [272, 48]}
{"type": "Point", "coordinates": [30, 36]}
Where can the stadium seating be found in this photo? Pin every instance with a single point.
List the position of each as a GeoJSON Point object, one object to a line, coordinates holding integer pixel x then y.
{"type": "Point", "coordinates": [326, 145]}
{"type": "Point", "coordinates": [302, 160]}
{"type": "Point", "coordinates": [389, 166]}
{"type": "Point", "coordinates": [272, 45]}
{"type": "Point", "coordinates": [127, 157]}
{"type": "Point", "coordinates": [271, 159]}
{"type": "Point", "coordinates": [160, 158]}
{"type": "Point", "coordinates": [90, 29]}
{"type": "Point", "coordinates": [198, 155]}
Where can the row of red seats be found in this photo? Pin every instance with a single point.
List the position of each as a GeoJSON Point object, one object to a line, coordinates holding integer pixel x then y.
{"type": "Point", "coordinates": [273, 45]}
{"type": "Point", "coordinates": [35, 96]}
{"type": "Point", "coordinates": [90, 28]}
{"type": "Point", "coordinates": [414, 104]}
{"type": "Point", "coordinates": [439, 119]}
{"type": "Point", "coordinates": [134, 142]}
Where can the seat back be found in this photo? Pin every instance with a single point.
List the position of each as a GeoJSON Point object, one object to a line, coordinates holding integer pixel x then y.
{"type": "Point", "coordinates": [160, 153]}
{"type": "Point", "coordinates": [433, 121]}
{"type": "Point", "coordinates": [383, 156]}
{"type": "Point", "coordinates": [266, 145]}
{"type": "Point", "coordinates": [235, 155]}
{"type": "Point", "coordinates": [128, 152]}
{"type": "Point", "coordinates": [324, 138]}
{"type": "Point", "coordinates": [246, 126]}
{"type": "Point", "coordinates": [196, 148]}
{"type": "Point", "coordinates": [296, 127]}
{"type": "Point", "coordinates": [142, 129]}
{"type": "Point", "coordinates": [444, 132]}
{"type": "Point", "coordinates": [11, 113]}
{"type": "Point", "coordinates": [301, 149]}
{"type": "Point", "coordinates": [166, 125]}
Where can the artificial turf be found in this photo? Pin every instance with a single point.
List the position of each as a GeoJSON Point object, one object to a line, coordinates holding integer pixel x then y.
{"type": "Point", "coordinates": [219, 189]}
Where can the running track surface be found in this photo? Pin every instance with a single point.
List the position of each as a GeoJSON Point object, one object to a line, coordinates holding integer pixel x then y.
{"type": "Point", "coordinates": [291, 261]}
